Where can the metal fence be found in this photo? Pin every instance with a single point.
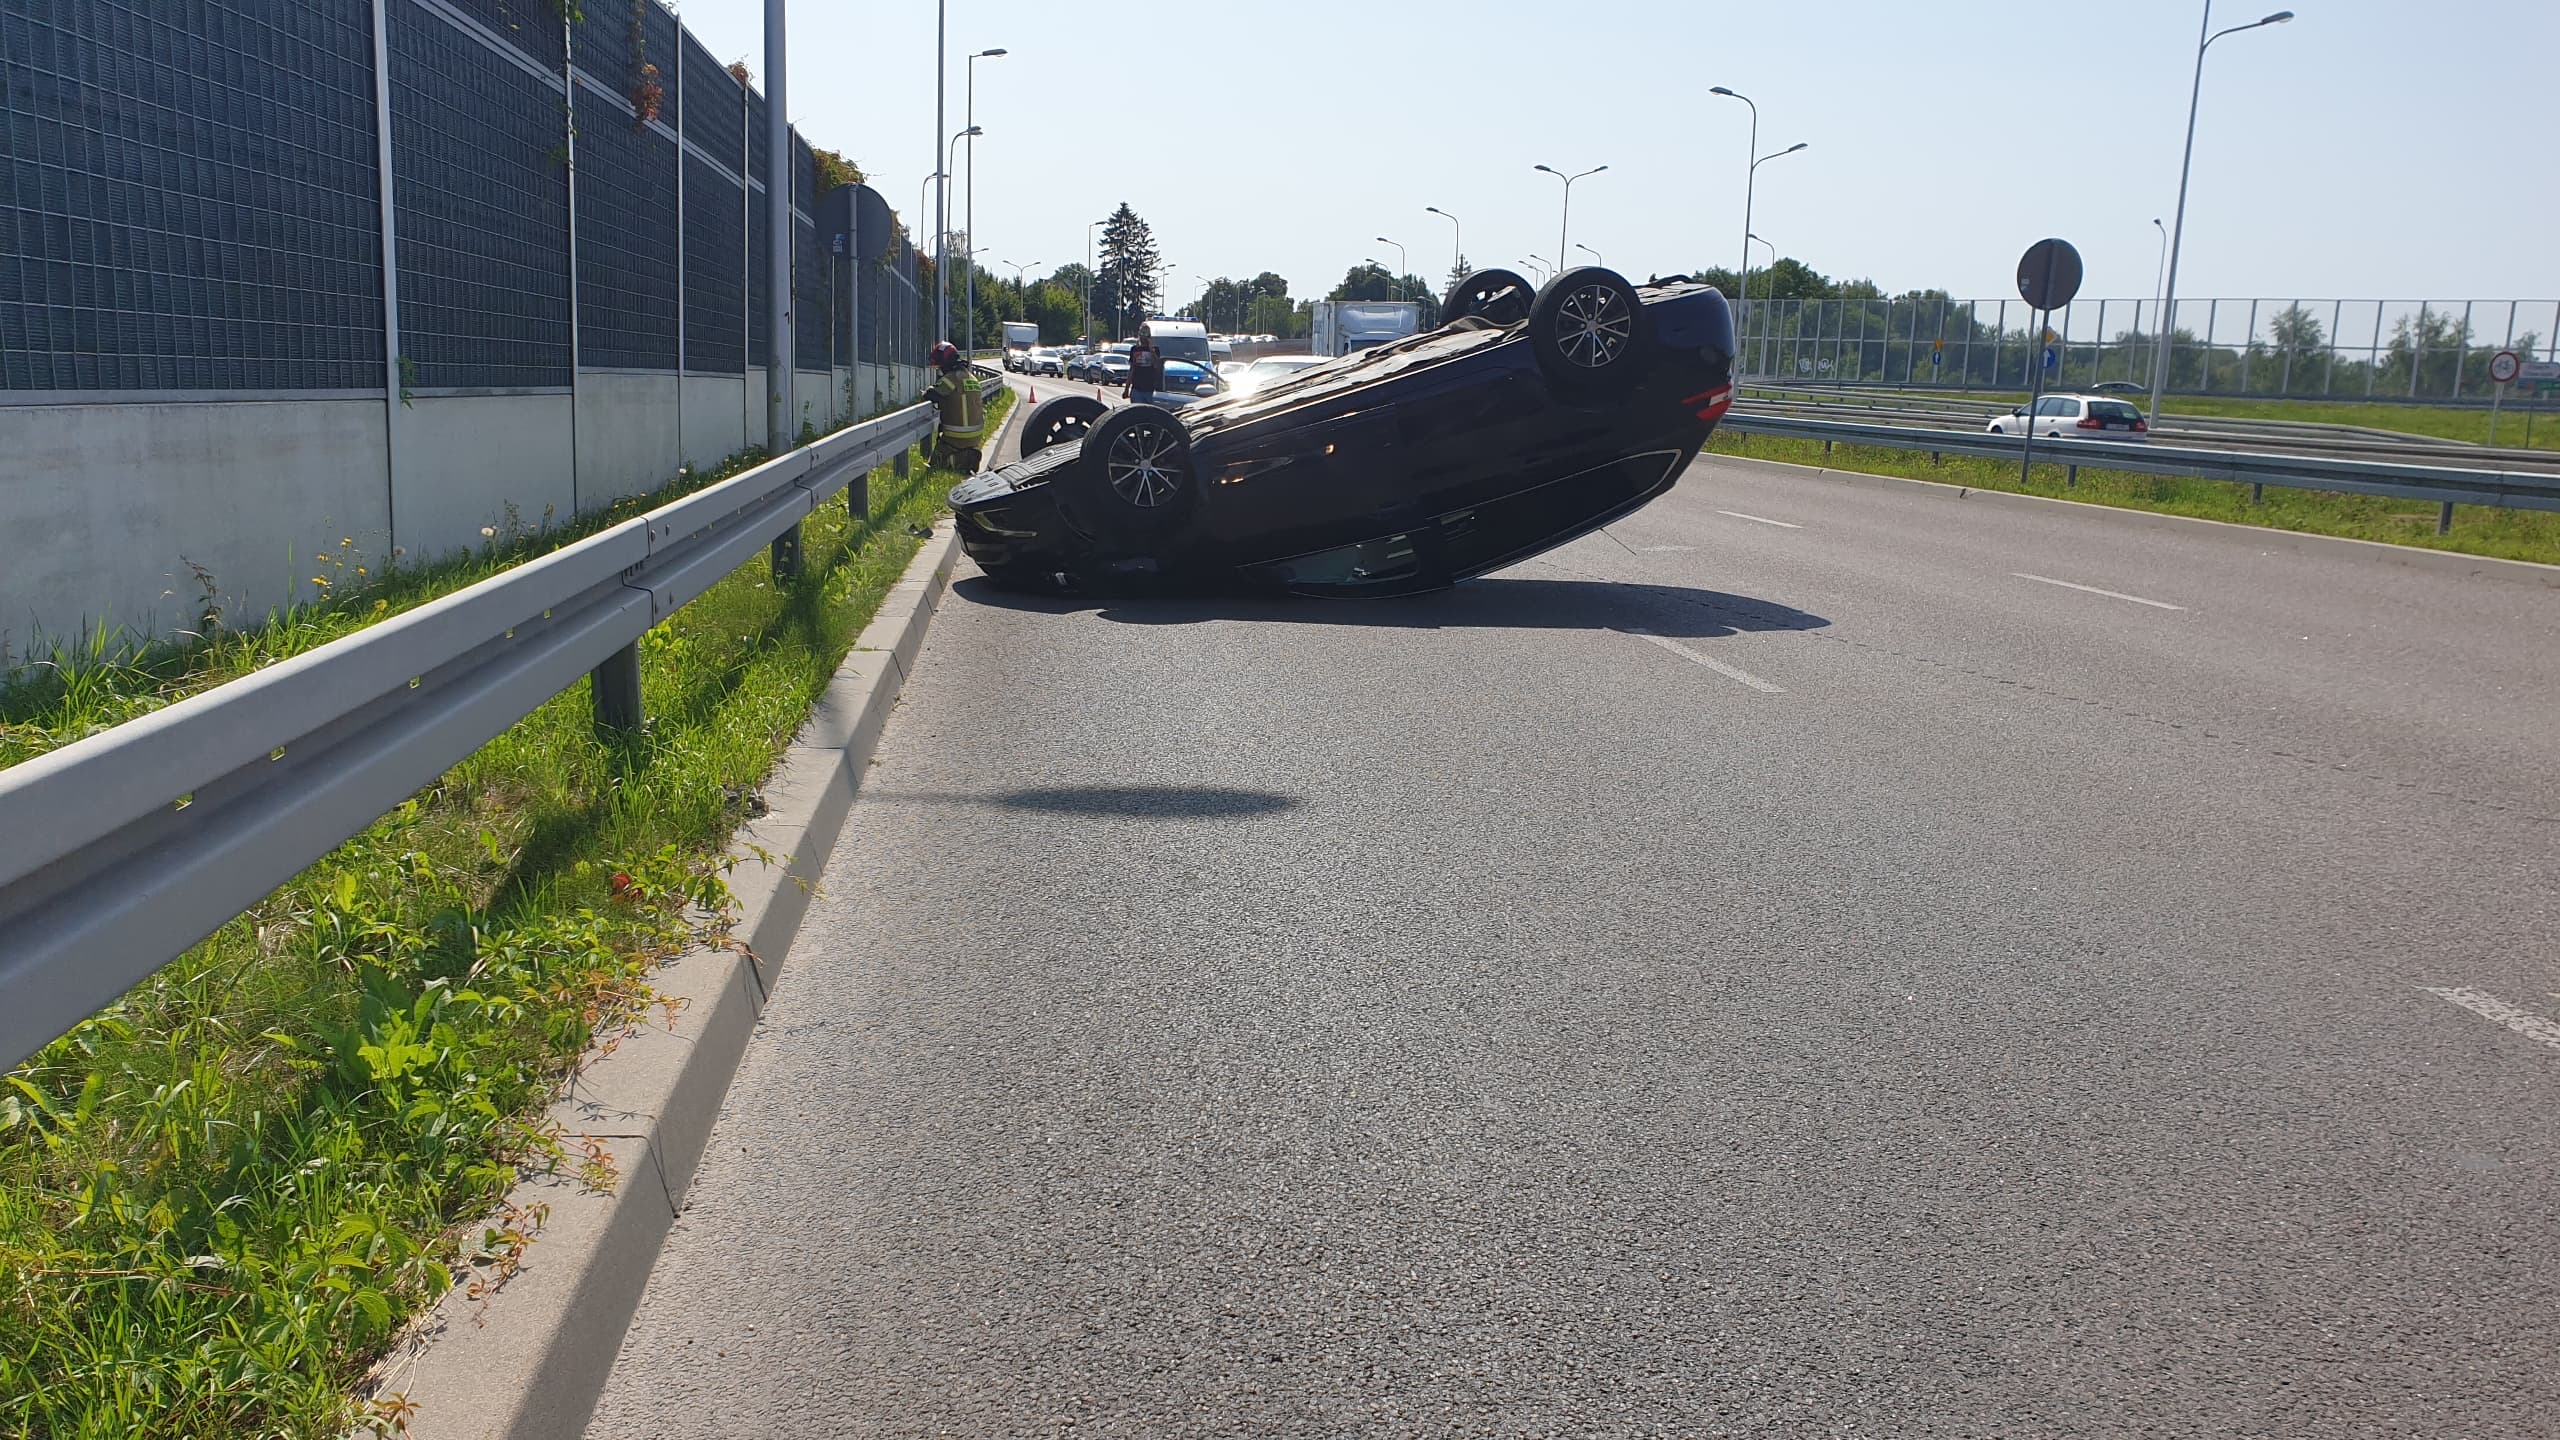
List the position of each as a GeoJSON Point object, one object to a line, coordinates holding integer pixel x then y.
{"type": "Point", "coordinates": [2425, 351]}
{"type": "Point", "coordinates": [198, 199]}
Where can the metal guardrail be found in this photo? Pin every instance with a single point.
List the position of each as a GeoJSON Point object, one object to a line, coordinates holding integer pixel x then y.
{"type": "Point", "coordinates": [2444, 484]}
{"type": "Point", "coordinates": [120, 850]}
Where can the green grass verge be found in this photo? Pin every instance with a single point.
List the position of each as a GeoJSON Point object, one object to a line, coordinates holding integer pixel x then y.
{"type": "Point", "coordinates": [222, 1196]}
{"type": "Point", "coordinates": [2477, 530]}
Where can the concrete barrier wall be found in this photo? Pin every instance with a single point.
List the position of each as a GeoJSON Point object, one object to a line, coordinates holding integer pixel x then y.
{"type": "Point", "coordinates": [98, 533]}
{"type": "Point", "coordinates": [715, 418]}
{"type": "Point", "coordinates": [105, 508]}
{"type": "Point", "coordinates": [626, 435]}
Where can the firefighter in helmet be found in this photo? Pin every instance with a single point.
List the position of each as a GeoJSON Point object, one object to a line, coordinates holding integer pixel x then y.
{"type": "Point", "coordinates": [963, 410]}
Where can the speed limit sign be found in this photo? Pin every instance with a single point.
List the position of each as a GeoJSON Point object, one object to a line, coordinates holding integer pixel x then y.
{"type": "Point", "coordinates": [2504, 366]}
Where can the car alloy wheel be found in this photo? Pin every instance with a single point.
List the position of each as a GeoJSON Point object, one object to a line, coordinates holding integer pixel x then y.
{"type": "Point", "coordinates": [1145, 465]}
{"type": "Point", "coordinates": [1594, 326]}
{"type": "Point", "coordinates": [1590, 333]}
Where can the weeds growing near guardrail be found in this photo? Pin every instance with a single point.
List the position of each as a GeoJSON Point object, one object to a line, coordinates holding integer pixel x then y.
{"type": "Point", "coordinates": [2477, 529]}
{"type": "Point", "coordinates": [221, 1197]}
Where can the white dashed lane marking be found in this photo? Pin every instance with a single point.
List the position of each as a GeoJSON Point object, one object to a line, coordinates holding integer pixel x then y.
{"type": "Point", "coordinates": [2094, 590]}
{"type": "Point", "coordinates": [1762, 520]}
{"type": "Point", "coordinates": [2489, 1007]}
{"type": "Point", "coordinates": [1729, 672]}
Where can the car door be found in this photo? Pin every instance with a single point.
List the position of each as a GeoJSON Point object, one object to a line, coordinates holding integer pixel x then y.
{"type": "Point", "coordinates": [2055, 416]}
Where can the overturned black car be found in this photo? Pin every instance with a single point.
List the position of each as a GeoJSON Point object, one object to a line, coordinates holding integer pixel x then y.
{"type": "Point", "coordinates": [1525, 420]}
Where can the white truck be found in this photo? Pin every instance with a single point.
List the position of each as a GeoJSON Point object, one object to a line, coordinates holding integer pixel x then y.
{"type": "Point", "coordinates": [1342, 326]}
{"type": "Point", "coordinates": [1019, 337]}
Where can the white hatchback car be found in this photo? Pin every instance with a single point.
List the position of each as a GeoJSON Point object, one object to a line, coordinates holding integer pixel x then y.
{"type": "Point", "coordinates": [2076, 417]}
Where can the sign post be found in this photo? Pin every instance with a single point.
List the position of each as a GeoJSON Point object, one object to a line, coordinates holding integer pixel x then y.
{"type": "Point", "coordinates": [2503, 368]}
{"type": "Point", "coordinates": [2048, 276]}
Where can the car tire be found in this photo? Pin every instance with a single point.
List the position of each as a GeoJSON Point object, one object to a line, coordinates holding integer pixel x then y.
{"type": "Point", "coordinates": [1059, 419]}
{"type": "Point", "coordinates": [1589, 331]}
{"type": "Point", "coordinates": [1501, 296]}
{"type": "Point", "coordinates": [1134, 482]}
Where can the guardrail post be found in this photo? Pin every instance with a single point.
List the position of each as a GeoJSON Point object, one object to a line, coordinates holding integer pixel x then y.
{"type": "Point", "coordinates": [786, 556]}
{"type": "Point", "coordinates": [899, 466]}
{"type": "Point", "coordinates": [2444, 519]}
{"type": "Point", "coordinates": [857, 497]}
{"type": "Point", "coordinates": [2070, 477]}
{"type": "Point", "coordinates": [2257, 492]}
{"type": "Point", "coordinates": [616, 687]}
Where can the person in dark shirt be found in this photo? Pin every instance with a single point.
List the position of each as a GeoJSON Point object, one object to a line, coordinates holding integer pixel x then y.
{"type": "Point", "coordinates": [1146, 367]}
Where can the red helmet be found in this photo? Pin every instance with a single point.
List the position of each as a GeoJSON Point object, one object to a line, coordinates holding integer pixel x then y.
{"type": "Point", "coordinates": [944, 355]}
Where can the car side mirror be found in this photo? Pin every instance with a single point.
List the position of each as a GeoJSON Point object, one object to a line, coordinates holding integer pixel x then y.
{"type": "Point", "coordinates": [2021, 410]}
{"type": "Point", "coordinates": [1204, 389]}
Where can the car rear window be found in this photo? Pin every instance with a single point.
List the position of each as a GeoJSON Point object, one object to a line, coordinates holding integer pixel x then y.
{"type": "Point", "coordinates": [2113, 410]}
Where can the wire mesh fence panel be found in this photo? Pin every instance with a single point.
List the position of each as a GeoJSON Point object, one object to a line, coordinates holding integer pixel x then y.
{"type": "Point", "coordinates": [532, 26]}
{"type": "Point", "coordinates": [759, 268]}
{"type": "Point", "coordinates": [715, 297]}
{"type": "Point", "coordinates": [627, 232]}
{"type": "Point", "coordinates": [190, 202]}
{"type": "Point", "coordinates": [2424, 351]}
{"type": "Point", "coordinates": [160, 231]}
{"type": "Point", "coordinates": [480, 164]}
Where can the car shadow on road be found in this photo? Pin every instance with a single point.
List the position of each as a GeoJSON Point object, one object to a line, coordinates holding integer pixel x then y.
{"type": "Point", "coordinates": [1500, 602]}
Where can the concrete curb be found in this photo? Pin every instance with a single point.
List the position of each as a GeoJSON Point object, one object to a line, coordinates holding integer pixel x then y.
{"type": "Point", "coordinates": [528, 1362]}
{"type": "Point", "coordinates": [2260, 537]}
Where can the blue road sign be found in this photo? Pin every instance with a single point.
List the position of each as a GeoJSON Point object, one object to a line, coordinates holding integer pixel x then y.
{"type": "Point", "coordinates": [1934, 358]}
{"type": "Point", "coordinates": [2050, 359]}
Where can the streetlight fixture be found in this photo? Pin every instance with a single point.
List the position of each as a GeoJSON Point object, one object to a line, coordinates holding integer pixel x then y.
{"type": "Point", "coordinates": [1749, 182]}
{"type": "Point", "coordinates": [1546, 267]}
{"type": "Point", "coordinates": [942, 241]}
{"type": "Point", "coordinates": [1567, 218]}
{"type": "Point", "coordinates": [1594, 254]}
{"type": "Point", "coordinates": [969, 196]}
{"type": "Point", "coordinates": [1457, 241]}
{"type": "Point", "coordinates": [1019, 301]}
{"type": "Point", "coordinates": [1402, 265]}
{"type": "Point", "coordinates": [2177, 231]}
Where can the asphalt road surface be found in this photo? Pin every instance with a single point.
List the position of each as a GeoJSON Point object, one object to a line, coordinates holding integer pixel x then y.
{"type": "Point", "coordinates": [1818, 960]}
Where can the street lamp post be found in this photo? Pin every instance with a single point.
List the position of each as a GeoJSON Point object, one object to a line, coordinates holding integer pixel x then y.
{"type": "Point", "coordinates": [942, 241]}
{"type": "Point", "coordinates": [1747, 238]}
{"type": "Point", "coordinates": [941, 193]}
{"type": "Point", "coordinates": [1402, 265]}
{"type": "Point", "coordinates": [1742, 281]}
{"type": "Point", "coordinates": [969, 196]}
{"type": "Point", "coordinates": [1751, 148]}
{"type": "Point", "coordinates": [1457, 242]}
{"type": "Point", "coordinates": [1596, 257]}
{"type": "Point", "coordinates": [2159, 274]}
{"type": "Point", "coordinates": [2178, 228]}
{"type": "Point", "coordinates": [1545, 269]}
{"type": "Point", "coordinates": [1087, 336]}
{"type": "Point", "coordinates": [1567, 218]}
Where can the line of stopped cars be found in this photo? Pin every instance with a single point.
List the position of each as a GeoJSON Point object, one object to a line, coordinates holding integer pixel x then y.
{"type": "Point", "coordinates": [1527, 418]}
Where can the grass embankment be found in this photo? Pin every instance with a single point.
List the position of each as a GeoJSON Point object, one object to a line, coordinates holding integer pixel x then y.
{"type": "Point", "coordinates": [220, 1197]}
{"type": "Point", "coordinates": [2477, 530]}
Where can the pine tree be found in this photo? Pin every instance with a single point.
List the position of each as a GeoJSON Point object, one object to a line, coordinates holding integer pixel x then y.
{"type": "Point", "coordinates": [1126, 288]}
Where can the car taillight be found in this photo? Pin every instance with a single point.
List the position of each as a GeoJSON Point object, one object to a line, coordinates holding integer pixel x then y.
{"type": "Point", "coordinates": [2140, 425]}
{"type": "Point", "coordinates": [2093, 423]}
{"type": "Point", "coordinates": [1710, 405]}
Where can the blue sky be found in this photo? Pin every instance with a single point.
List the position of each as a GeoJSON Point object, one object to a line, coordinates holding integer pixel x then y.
{"type": "Point", "coordinates": [2372, 148]}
